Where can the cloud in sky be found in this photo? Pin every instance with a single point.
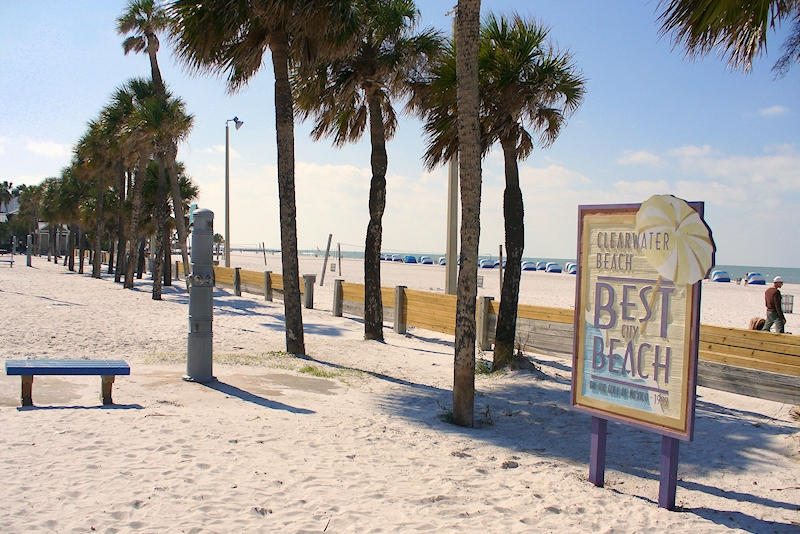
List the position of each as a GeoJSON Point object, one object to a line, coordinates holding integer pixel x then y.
{"type": "Point", "coordinates": [773, 111]}
{"type": "Point", "coordinates": [3, 141]}
{"type": "Point", "coordinates": [747, 198]}
{"type": "Point", "coordinates": [640, 157]}
{"type": "Point", "coordinates": [219, 149]}
{"type": "Point", "coordinates": [49, 149]}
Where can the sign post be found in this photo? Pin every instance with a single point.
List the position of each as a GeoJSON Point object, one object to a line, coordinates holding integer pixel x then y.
{"type": "Point", "coordinates": [637, 318]}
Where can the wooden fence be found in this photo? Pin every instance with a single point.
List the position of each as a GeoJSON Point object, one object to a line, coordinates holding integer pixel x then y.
{"type": "Point", "coordinates": [264, 283]}
{"type": "Point", "coordinates": [748, 362]}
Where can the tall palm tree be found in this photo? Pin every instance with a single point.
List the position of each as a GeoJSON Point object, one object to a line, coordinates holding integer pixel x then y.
{"type": "Point", "coordinates": [524, 83]}
{"type": "Point", "coordinates": [735, 28]}
{"type": "Point", "coordinates": [469, 133]}
{"type": "Point", "coordinates": [140, 136]}
{"type": "Point", "coordinates": [346, 95]}
{"type": "Point", "coordinates": [145, 19]}
{"type": "Point", "coordinates": [231, 36]}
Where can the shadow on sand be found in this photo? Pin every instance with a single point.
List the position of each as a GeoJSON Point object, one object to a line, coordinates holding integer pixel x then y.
{"type": "Point", "coordinates": [538, 403]}
{"type": "Point", "coordinates": [246, 396]}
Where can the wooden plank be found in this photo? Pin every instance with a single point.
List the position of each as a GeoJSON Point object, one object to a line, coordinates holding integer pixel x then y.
{"type": "Point", "coordinates": [387, 297]}
{"type": "Point", "coordinates": [770, 345]}
{"type": "Point", "coordinates": [357, 309]}
{"type": "Point", "coordinates": [277, 281]}
{"type": "Point", "coordinates": [752, 383]}
{"type": "Point", "coordinates": [544, 313]}
{"type": "Point", "coordinates": [434, 299]}
{"type": "Point", "coordinates": [253, 278]}
{"type": "Point", "coordinates": [754, 335]}
{"type": "Point", "coordinates": [353, 308]}
{"type": "Point", "coordinates": [253, 289]}
{"type": "Point", "coordinates": [429, 318]}
{"type": "Point", "coordinates": [444, 329]}
{"type": "Point", "coordinates": [223, 275]}
{"type": "Point", "coordinates": [775, 357]}
{"type": "Point", "coordinates": [749, 363]}
{"type": "Point", "coordinates": [423, 313]}
{"type": "Point", "coordinates": [277, 284]}
{"type": "Point", "coordinates": [353, 292]}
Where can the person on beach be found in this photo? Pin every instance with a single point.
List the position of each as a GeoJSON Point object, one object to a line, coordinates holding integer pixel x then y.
{"type": "Point", "coordinates": [774, 309]}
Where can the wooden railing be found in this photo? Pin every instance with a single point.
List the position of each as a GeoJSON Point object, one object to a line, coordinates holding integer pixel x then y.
{"type": "Point", "coordinates": [750, 362]}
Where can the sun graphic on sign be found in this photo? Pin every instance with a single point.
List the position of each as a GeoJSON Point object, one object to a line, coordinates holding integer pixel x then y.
{"type": "Point", "coordinates": [677, 243]}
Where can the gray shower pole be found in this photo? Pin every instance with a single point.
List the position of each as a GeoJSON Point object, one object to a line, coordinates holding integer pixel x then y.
{"type": "Point", "coordinates": [199, 359]}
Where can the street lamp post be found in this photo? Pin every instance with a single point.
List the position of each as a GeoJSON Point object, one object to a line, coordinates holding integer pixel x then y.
{"type": "Point", "coordinates": [238, 124]}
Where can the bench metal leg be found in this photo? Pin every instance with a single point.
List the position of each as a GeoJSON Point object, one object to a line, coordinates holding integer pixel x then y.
{"type": "Point", "coordinates": [106, 389]}
{"type": "Point", "coordinates": [27, 388]}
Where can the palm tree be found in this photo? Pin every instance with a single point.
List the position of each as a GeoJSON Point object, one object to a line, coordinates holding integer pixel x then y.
{"type": "Point", "coordinates": [345, 95]}
{"type": "Point", "coordinates": [231, 36]}
{"type": "Point", "coordinates": [5, 193]}
{"type": "Point", "coordinates": [737, 29]}
{"type": "Point", "coordinates": [94, 165]}
{"type": "Point", "coordinates": [30, 198]}
{"type": "Point", "coordinates": [168, 123]}
{"type": "Point", "coordinates": [145, 19]}
{"type": "Point", "coordinates": [139, 128]}
{"type": "Point", "coordinates": [469, 134]}
{"type": "Point", "coordinates": [524, 82]}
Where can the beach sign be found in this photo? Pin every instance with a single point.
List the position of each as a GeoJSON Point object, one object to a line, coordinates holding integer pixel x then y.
{"type": "Point", "coordinates": [637, 318]}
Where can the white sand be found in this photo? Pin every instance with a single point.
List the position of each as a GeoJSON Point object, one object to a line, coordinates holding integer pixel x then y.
{"type": "Point", "coordinates": [271, 449]}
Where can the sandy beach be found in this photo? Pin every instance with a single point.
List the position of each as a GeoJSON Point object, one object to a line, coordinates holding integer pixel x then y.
{"type": "Point", "coordinates": [353, 437]}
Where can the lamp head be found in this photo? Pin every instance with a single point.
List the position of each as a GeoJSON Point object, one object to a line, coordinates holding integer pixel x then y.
{"type": "Point", "coordinates": [237, 122]}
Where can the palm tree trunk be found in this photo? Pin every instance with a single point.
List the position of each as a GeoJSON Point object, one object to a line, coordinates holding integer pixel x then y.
{"type": "Point", "coordinates": [158, 82]}
{"type": "Point", "coordinates": [161, 221]}
{"type": "Point", "coordinates": [373, 303]}
{"type": "Point", "coordinates": [110, 256]}
{"type": "Point", "coordinates": [284, 126]}
{"type": "Point", "coordinates": [136, 206]}
{"type": "Point", "coordinates": [513, 213]}
{"type": "Point", "coordinates": [141, 259]}
{"type": "Point", "coordinates": [98, 230]}
{"type": "Point", "coordinates": [167, 246]}
{"type": "Point", "coordinates": [468, 26]}
{"type": "Point", "coordinates": [71, 247]}
{"type": "Point", "coordinates": [50, 243]}
{"type": "Point", "coordinates": [177, 206]}
{"type": "Point", "coordinates": [121, 241]}
{"type": "Point", "coordinates": [81, 249]}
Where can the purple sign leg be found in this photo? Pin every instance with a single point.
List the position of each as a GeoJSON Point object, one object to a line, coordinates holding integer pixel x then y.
{"type": "Point", "coordinates": [669, 472]}
{"type": "Point", "coordinates": [597, 460]}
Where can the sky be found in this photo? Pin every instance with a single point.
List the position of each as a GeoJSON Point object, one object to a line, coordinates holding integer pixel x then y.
{"type": "Point", "coordinates": [652, 122]}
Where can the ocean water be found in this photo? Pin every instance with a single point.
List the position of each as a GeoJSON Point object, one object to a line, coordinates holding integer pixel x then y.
{"type": "Point", "coordinates": [790, 275]}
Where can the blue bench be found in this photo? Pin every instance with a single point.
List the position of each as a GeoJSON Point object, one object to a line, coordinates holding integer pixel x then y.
{"type": "Point", "coordinates": [27, 369]}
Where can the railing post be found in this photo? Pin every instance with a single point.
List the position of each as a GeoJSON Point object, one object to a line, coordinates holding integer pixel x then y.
{"type": "Point", "coordinates": [337, 297]}
{"type": "Point", "coordinates": [268, 286]}
{"type": "Point", "coordinates": [399, 317]}
{"type": "Point", "coordinates": [237, 282]}
{"type": "Point", "coordinates": [483, 323]}
{"type": "Point", "coordinates": [177, 270]}
{"type": "Point", "coordinates": [308, 298]}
